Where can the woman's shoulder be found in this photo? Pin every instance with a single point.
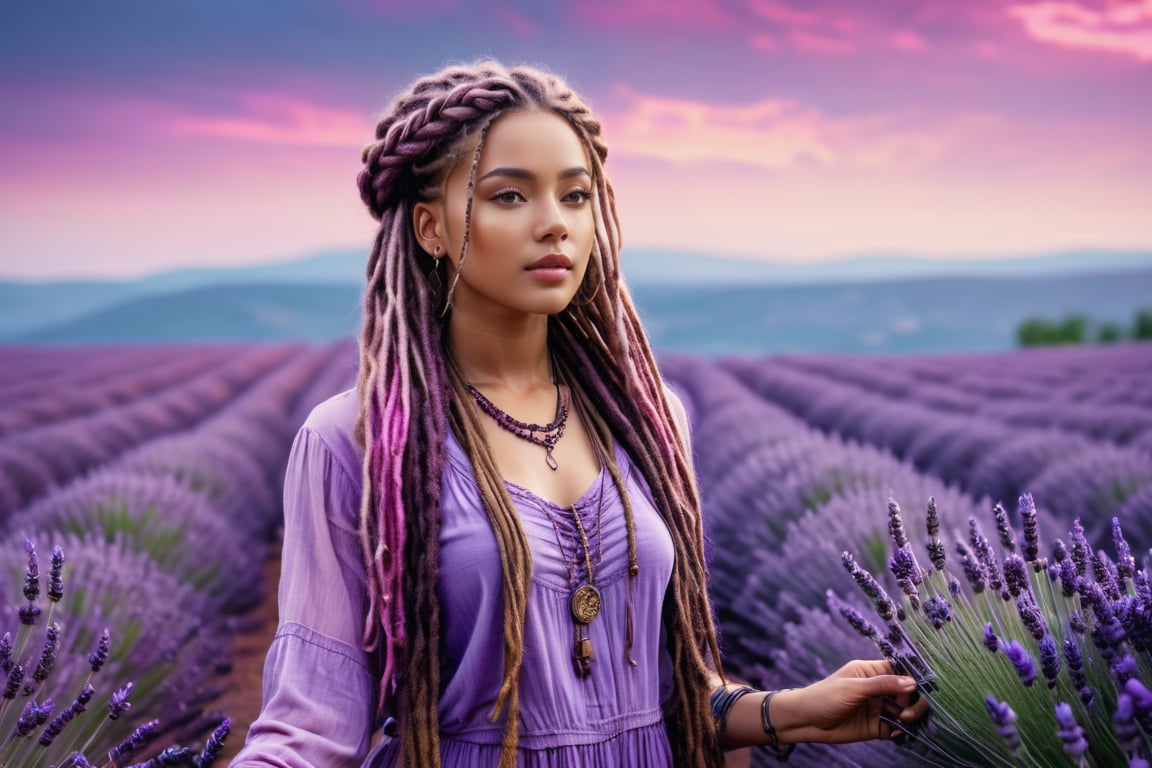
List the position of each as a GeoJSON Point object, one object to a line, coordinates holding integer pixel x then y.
{"type": "Point", "coordinates": [333, 423]}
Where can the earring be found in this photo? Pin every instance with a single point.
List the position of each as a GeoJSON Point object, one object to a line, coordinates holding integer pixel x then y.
{"type": "Point", "coordinates": [436, 285]}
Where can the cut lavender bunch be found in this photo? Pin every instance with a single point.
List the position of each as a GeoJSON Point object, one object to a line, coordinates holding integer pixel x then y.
{"type": "Point", "coordinates": [1080, 622]}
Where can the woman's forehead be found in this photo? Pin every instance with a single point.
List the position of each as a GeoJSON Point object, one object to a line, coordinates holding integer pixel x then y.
{"type": "Point", "coordinates": [540, 141]}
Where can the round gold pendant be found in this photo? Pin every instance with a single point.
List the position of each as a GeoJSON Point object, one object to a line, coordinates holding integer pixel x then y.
{"type": "Point", "coordinates": [584, 603]}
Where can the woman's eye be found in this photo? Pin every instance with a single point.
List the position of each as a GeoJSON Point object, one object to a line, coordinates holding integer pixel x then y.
{"type": "Point", "coordinates": [578, 196]}
{"type": "Point", "coordinates": [507, 196]}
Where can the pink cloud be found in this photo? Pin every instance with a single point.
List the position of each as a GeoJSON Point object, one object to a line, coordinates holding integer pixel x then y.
{"type": "Point", "coordinates": [775, 134]}
{"type": "Point", "coordinates": [784, 15]}
{"type": "Point", "coordinates": [518, 23]}
{"type": "Point", "coordinates": [687, 14]}
{"type": "Point", "coordinates": [1123, 28]}
{"type": "Point", "coordinates": [909, 41]}
{"type": "Point", "coordinates": [278, 119]}
{"type": "Point", "coordinates": [826, 31]}
{"type": "Point", "coordinates": [815, 42]}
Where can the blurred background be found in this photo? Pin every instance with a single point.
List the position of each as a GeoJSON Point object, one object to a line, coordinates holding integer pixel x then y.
{"type": "Point", "coordinates": [792, 176]}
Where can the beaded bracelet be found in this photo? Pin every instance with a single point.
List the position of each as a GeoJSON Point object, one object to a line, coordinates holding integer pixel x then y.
{"type": "Point", "coordinates": [781, 753]}
{"type": "Point", "coordinates": [722, 700]}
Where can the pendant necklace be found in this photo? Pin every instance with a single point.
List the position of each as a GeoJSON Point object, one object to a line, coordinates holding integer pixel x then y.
{"type": "Point", "coordinates": [544, 435]}
{"type": "Point", "coordinates": [584, 601]}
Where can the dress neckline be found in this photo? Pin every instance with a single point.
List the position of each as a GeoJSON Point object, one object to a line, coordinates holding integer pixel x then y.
{"type": "Point", "coordinates": [591, 495]}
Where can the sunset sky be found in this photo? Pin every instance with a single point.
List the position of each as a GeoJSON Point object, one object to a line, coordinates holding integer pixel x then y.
{"type": "Point", "coordinates": [142, 136]}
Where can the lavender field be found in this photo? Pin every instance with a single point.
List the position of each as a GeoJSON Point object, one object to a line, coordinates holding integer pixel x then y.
{"type": "Point", "coordinates": [158, 470]}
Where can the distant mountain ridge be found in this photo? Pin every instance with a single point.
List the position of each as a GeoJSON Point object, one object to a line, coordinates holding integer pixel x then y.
{"type": "Point", "coordinates": [26, 307]}
{"type": "Point", "coordinates": [915, 315]}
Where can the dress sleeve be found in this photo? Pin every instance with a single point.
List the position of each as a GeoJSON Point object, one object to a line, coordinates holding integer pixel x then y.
{"type": "Point", "coordinates": [319, 689]}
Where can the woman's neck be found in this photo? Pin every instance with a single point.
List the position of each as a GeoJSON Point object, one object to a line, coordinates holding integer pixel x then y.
{"type": "Point", "coordinates": [512, 357]}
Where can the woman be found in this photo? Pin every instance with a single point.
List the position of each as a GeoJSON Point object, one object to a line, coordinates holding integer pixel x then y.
{"type": "Point", "coordinates": [496, 539]}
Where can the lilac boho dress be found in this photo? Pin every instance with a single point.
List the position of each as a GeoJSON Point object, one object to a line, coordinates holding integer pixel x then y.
{"type": "Point", "coordinates": [319, 688]}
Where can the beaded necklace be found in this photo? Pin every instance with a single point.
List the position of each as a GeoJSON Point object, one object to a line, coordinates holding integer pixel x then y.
{"type": "Point", "coordinates": [544, 435]}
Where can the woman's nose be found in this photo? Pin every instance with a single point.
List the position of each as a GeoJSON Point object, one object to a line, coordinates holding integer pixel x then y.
{"type": "Point", "coordinates": [551, 222]}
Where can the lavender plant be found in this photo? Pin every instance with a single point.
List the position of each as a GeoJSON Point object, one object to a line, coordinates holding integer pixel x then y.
{"type": "Point", "coordinates": [1026, 660]}
{"type": "Point", "coordinates": [58, 711]}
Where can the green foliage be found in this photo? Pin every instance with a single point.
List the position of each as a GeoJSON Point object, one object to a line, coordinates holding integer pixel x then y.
{"type": "Point", "coordinates": [1142, 325]}
{"type": "Point", "coordinates": [1079, 329]}
{"type": "Point", "coordinates": [1109, 333]}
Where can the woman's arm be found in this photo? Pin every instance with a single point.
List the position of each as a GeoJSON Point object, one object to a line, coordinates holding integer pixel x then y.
{"type": "Point", "coordinates": [843, 707]}
{"type": "Point", "coordinates": [319, 687]}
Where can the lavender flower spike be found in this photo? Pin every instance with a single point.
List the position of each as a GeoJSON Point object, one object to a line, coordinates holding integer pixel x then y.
{"type": "Point", "coordinates": [1023, 662]}
{"type": "Point", "coordinates": [214, 744]}
{"type": "Point", "coordinates": [182, 756]}
{"type": "Point", "coordinates": [1075, 660]}
{"type": "Point", "coordinates": [1026, 508]}
{"type": "Point", "coordinates": [48, 655]}
{"type": "Point", "coordinates": [15, 677]}
{"type": "Point", "coordinates": [933, 518]}
{"type": "Point", "coordinates": [32, 575]}
{"type": "Point", "coordinates": [1049, 660]}
{"type": "Point", "coordinates": [938, 611]}
{"type": "Point", "coordinates": [1004, 528]}
{"type": "Point", "coordinates": [118, 704]}
{"type": "Point", "coordinates": [6, 653]}
{"type": "Point", "coordinates": [56, 576]}
{"type": "Point", "coordinates": [1070, 732]}
{"type": "Point", "coordinates": [33, 717]}
{"type": "Point", "coordinates": [867, 582]}
{"type": "Point", "coordinates": [1128, 733]}
{"type": "Point", "coordinates": [973, 571]}
{"type": "Point", "coordinates": [98, 657]}
{"type": "Point", "coordinates": [903, 565]}
{"type": "Point", "coordinates": [1003, 718]}
{"type": "Point", "coordinates": [1015, 575]}
{"type": "Point", "coordinates": [29, 613]}
{"type": "Point", "coordinates": [1141, 701]}
{"type": "Point", "coordinates": [137, 739]}
{"type": "Point", "coordinates": [1080, 548]}
{"type": "Point", "coordinates": [896, 524]}
{"type": "Point", "coordinates": [1069, 584]}
{"type": "Point", "coordinates": [1125, 563]}
{"type": "Point", "coordinates": [991, 642]}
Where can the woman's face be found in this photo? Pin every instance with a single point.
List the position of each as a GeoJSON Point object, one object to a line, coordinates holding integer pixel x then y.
{"type": "Point", "coordinates": [532, 223]}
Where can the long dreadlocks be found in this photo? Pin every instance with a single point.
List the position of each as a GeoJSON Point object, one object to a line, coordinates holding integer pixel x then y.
{"type": "Point", "coordinates": [410, 398]}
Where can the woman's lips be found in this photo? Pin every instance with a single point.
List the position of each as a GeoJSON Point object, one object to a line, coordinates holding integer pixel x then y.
{"type": "Point", "coordinates": [552, 268]}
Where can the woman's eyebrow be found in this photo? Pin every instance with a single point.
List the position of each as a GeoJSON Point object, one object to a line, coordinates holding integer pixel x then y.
{"type": "Point", "coordinates": [522, 173]}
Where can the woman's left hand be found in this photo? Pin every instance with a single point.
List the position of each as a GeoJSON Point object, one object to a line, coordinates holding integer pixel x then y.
{"type": "Point", "coordinates": [847, 706]}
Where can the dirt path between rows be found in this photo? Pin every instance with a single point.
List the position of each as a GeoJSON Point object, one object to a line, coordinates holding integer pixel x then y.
{"type": "Point", "coordinates": [242, 700]}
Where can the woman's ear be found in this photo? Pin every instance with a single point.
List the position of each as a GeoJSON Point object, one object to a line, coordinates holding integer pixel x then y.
{"type": "Point", "coordinates": [426, 218]}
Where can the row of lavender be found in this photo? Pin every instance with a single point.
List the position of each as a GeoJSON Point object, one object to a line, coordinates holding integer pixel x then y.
{"type": "Point", "coordinates": [1093, 462]}
{"type": "Point", "coordinates": [784, 499]}
{"type": "Point", "coordinates": [165, 503]}
{"type": "Point", "coordinates": [1097, 392]}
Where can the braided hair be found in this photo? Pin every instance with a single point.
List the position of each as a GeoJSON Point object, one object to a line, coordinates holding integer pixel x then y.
{"type": "Point", "coordinates": [410, 397]}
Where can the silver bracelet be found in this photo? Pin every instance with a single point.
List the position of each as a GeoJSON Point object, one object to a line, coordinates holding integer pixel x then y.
{"type": "Point", "coordinates": [781, 753]}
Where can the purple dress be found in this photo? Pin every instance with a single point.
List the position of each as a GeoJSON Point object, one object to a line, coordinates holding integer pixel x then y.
{"type": "Point", "coordinates": [319, 688]}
